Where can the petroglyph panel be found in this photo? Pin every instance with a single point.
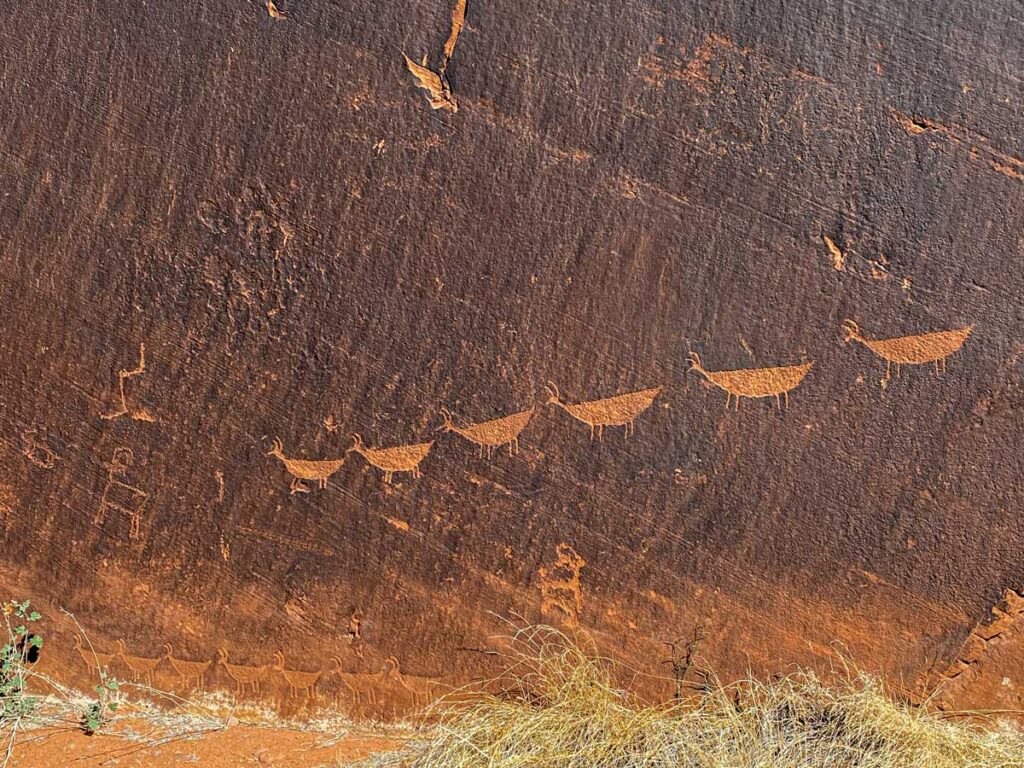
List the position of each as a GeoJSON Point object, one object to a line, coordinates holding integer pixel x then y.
{"type": "Point", "coordinates": [234, 229]}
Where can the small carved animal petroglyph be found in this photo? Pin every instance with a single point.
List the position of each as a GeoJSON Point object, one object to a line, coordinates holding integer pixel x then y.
{"type": "Point", "coordinates": [94, 660]}
{"type": "Point", "coordinates": [243, 675]}
{"type": "Point", "coordinates": [140, 414]}
{"type": "Point", "coordinates": [330, 424]}
{"type": "Point", "coordinates": [119, 496]}
{"type": "Point", "coordinates": [298, 682]}
{"type": "Point", "coordinates": [560, 587]}
{"type": "Point", "coordinates": [754, 382]}
{"type": "Point", "coordinates": [488, 435]}
{"type": "Point", "coordinates": [402, 458]}
{"type": "Point", "coordinates": [141, 667]}
{"type": "Point", "coordinates": [921, 348]}
{"type": "Point", "coordinates": [618, 411]}
{"type": "Point", "coordinates": [190, 673]}
{"type": "Point", "coordinates": [436, 84]}
{"type": "Point", "coordinates": [302, 469]}
{"type": "Point", "coordinates": [35, 451]}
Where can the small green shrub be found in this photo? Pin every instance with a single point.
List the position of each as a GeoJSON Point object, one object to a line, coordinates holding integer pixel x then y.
{"type": "Point", "coordinates": [19, 651]}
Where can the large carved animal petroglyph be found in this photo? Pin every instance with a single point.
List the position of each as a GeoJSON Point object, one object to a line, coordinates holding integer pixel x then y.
{"type": "Point", "coordinates": [141, 667]}
{"type": "Point", "coordinates": [139, 414]}
{"type": "Point", "coordinates": [244, 676]}
{"type": "Point", "coordinates": [618, 411]}
{"type": "Point", "coordinates": [119, 496]}
{"type": "Point", "coordinates": [921, 348]}
{"type": "Point", "coordinates": [94, 660]}
{"type": "Point", "coordinates": [190, 673]}
{"type": "Point", "coordinates": [305, 469]}
{"type": "Point", "coordinates": [754, 382]}
{"type": "Point", "coordinates": [298, 681]}
{"type": "Point", "coordinates": [352, 682]}
{"type": "Point", "coordinates": [402, 458]}
{"type": "Point", "coordinates": [488, 435]}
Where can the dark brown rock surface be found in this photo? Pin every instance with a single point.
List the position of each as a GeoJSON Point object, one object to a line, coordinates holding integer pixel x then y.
{"type": "Point", "coordinates": [307, 250]}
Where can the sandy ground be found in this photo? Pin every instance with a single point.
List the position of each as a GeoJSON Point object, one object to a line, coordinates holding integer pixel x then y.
{"type": "Point", "coordinates": [235, 746]}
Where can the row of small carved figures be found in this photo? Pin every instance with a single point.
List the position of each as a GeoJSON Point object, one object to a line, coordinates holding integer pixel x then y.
{"type": "Point", "coordinates": [389, 686]}
{"type": "Point", "coordinates": [623, 410]}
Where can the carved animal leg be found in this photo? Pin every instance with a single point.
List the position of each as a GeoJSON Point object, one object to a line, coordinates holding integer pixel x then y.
{"type": "Point", "coordinates": [786, 397]}
{"type": "Point", "coordinates": [778, 403]}
{"type": "Point", "coordinates": [323, 483]}
{"type": "Point", "coordinates": [591, 431]}
{"type": "Point", "coordinates": [136, 522]}
{"type": "Point", "coordinates": [600, 433]}
{"type": "Point", "coordinates": [728, 399]}
{"type": "Point", "coordinates": [387, 478]}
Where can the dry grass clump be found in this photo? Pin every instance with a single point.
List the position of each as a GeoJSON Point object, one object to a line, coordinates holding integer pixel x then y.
{"type": "Point", "coordinates": [559, 709]}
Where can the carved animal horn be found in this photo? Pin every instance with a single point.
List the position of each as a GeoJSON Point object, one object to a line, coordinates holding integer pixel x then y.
{"type": "Point", "coordinates": [695, 362]}
{"type": "Point", "coordinates": [222, 655]}
{"type": "Point", "coordinates": [552, 389]}
{"type": "Point", "coordinates": [850, 330]}
{"type": "Point", "coordinates": [357, 442]}
{"type": "Point", "coordinates": [121, 647]}
{"type": "Point", "coordinates": [447, 416]}
{"type": "Point", "coordinates": [168, 651]}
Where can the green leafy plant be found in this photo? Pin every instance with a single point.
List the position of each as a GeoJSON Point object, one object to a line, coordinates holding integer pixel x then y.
{"type": "Point", "coordinates": [103, 705]}
{"type": "Point", "coordinates": [20, 650]}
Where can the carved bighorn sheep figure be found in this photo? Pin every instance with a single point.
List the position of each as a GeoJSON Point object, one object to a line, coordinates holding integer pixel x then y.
{"type": "Point", "coordinates": [305, 469]}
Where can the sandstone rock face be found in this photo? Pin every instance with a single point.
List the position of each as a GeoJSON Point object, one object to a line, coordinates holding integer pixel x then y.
{"type": "Point", "coordinates": [236, 234]}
